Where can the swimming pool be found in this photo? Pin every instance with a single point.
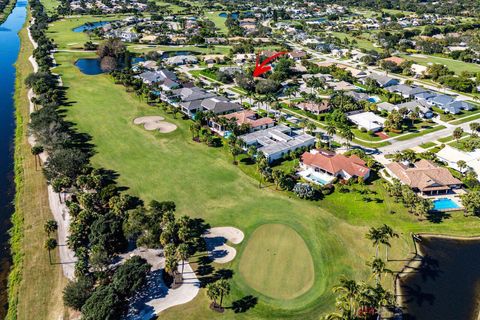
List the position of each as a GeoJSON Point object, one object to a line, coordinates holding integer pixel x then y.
{"type": "Point", "coordinates": [444, 204]}
{"type": "Point", "coordinates": [374, 99]}
{"type": "Point", "coordinates": [317, 179]}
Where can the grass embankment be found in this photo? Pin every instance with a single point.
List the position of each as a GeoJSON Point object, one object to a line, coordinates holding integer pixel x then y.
{"type": "Point", "coordinates": [35, 286]}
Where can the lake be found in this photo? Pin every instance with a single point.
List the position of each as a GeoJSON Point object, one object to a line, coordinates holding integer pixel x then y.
{"type": "Point", "coordinates": [9, 48]}
{"type": "Point", "coordinates": [447, 284]}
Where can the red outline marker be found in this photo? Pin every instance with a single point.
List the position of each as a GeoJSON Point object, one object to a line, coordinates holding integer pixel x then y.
{"type": "Point", "coordinates": [262, 67]}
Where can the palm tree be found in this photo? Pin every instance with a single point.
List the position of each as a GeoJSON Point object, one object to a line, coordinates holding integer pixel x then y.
{"type": "Point", "coordinates": [388, 234]}
{"type": "Point", "coordinates": [36, 151]}
{"type": "Point", "coordinates": [223, 288]}
{"type": "Point", "coordinates": [349, 290]}
{"type": "Point", "coordinates": [50, 226]}
{"type": "Point", "coordinates": [183, 253]}
{"type": "Point", "coordinates": [376, 236]}
{"type": "Point", "coordinates": [378, 268]}
{"type": "Point", "coordinates": [457, 133]}
{"type": "Point", "coordinates": [50, 244]}
{"type": "Point", "coordinates": [171, 266]}
{"type": "Point", "coordinates": [348, 135]}
{"type": "Point", "coordinates": [213, 292]}
{"type": "Point", "coordinates": [278, 176]}
{"type": "Point", "coordinates": [462, 165]}
{"type": "Point", "coordinates": [331, 131]}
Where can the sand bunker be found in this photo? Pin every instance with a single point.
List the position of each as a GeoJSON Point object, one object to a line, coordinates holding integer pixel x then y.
{"type": "Point", "coordinates": [216, 239]}
{"type": "Point", "coordinates": [151, 123]}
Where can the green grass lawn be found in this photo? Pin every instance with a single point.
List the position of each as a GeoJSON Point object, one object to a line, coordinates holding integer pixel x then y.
{"type": "Point", "coordinates": [219, 21]}
{"type": "Point", "coordinates": [454, 65]}
{"type": "Point", "coordinates": [50, 5]}
{"type": "Point", "coordinates": [175, 8]}
{"type": "Point", "coordinates": [286, 268]}
{"type": "Point", "coordinates": [204, 183]}
{"type": "Point", "coordinates": [427, 145]}
{"type": "Point", "coordinates": [420, 133]}
{"type": "Point", "coordinates": [362, 43]}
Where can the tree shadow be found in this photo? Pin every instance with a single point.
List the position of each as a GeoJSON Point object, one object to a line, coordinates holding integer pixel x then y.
{"type": "Point", "coordinates": [438, 216]}
{"type": "Point", "coordinates": [244, 304]}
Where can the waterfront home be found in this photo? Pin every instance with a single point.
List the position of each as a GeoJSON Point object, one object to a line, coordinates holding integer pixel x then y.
{"type": "Point", "coordinates": [323, 166]}
{"type": "Point", "coordinates": [242, 118]}
{"type": "Point", "coordinates": [424, 177]}
{"type": "Point", "coordinates": [277, 141]}
{"type": "Point", "coordinates": [367, 120]}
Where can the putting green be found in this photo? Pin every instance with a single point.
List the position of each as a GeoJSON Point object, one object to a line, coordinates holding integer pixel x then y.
{"type": "Point", "coordinates": [277, 263]}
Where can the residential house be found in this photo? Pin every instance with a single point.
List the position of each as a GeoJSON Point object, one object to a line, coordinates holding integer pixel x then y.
{"type": "Point", "coordinates": [152, 77]}
{"type": "Point", "coordinates": [219, 105]}
{"type": "Point", "coordinates": [358, 96]}
{"type": "Point", "coordinates": [367, 120]}
{"type": "Point", "coordinates": [313, 107]}
{"type": "Point", "coordinates": [457, 106]}
{"type": "Point", "coordinates": [242, 118]}
{"type": "Point", "coordinates": [322, 166]}
{"type": "Point", "coordinates": [182, 60]}
{"type": "Point", "coordinates": [382, 81]}
{"type": "Point", "coordinates": [417, 105]}
{"type": "Point", "coordinates": [297, 55]}
{"type": "Point", "coordinates": [277, 141]}
{"type": "Point", "coordinates": [396, 60]}
{"type": "Point", "coordinates": [342, 86]}
{"type": "Point", "coordinates": [424, 177]}
{"type": "Point", "coordinates": [441, 100]}
{"type": "Point", "coordinates": [406, 91]}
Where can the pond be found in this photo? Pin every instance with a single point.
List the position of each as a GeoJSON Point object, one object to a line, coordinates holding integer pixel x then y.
{"type": "Point", "coordinates": [446, 285]}
{"type": "Point", "coordinates": [90, 26]}
{"type": "Point", "coordinates": [90, 67]}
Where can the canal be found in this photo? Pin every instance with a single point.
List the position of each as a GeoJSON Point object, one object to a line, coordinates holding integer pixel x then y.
{"type": "Point", "coordinates": [9, 48]}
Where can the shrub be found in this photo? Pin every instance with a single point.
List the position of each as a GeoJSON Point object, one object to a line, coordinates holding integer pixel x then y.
{"type": "Point", "coordinates": [304, 191]}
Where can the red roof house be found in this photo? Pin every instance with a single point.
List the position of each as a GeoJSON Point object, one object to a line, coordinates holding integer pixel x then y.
{"type": "Point", "coordinates": [336, 165]}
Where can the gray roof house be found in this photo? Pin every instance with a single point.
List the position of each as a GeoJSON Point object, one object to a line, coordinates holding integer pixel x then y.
{"type": "Point", "coordinates": [382, 81]}
{"type": "Point", "coordinates": [441, 100]}
{"type": "Point", "coordinates": [457, 106]}
{"type": "Point", "coordinates": [357, 96]}
{"type": "Point", "coordinates": [276, 142]}
{"type": "Point", "coordinates": [151, 77]}
{"type": "Point", "coordinates": [182, 59]}
{"type": "Point", "coordinates": [405, 90]}
{"type": "Point", "coordinates": [424, 95]}
{"type": "Point", "coordinates": [421, 105]}
{"type": "Point", "coordinates": [191, 94]}
{"type": "Point", "coordinates": [220, 105]}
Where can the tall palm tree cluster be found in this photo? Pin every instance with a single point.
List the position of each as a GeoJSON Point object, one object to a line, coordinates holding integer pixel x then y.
{"type": "Point", "coordinates": [403, 193]}
{"type": "Point", "coordinates": [361, 300]}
